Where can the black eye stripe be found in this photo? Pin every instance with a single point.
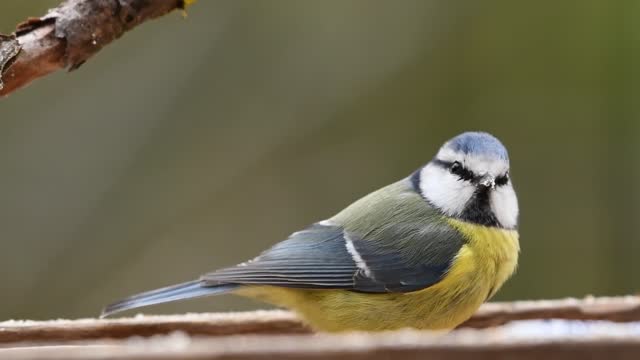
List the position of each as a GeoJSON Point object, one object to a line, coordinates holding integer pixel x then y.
{"type": "Point", "coordinates": [461, 171]}
{"type": "Point", "coordinates": [466, 174]}
{"type": "Point", "coordinates": [502, 180]}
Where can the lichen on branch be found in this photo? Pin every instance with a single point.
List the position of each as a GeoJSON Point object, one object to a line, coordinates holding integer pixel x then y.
{"type": "Point", "coordinates": [9, 49]}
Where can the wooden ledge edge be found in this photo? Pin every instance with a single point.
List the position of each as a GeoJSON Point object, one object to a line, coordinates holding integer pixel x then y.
{"type": "Point", "coordinates": [270, 322]}
{"type": "Point", "coordinates": [528, 339]}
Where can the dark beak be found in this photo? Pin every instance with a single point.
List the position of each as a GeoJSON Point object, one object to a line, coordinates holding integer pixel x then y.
{"type": "Point", "coordinates": [487, 181]}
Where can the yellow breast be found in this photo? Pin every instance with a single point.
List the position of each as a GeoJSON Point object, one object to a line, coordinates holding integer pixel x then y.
{"type": "Point", "coordinates": [490, 251]}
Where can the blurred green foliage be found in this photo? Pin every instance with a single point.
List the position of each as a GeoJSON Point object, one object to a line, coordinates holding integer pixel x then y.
{"type": "Point", "coordinates": [193, 144]}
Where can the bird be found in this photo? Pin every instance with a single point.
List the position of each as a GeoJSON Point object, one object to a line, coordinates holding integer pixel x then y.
{"type": "Point", "coordinates": [424, 252]}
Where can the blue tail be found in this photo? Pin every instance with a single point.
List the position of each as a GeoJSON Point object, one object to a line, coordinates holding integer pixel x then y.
{"type": "Point", "coordinates": [188, 290]}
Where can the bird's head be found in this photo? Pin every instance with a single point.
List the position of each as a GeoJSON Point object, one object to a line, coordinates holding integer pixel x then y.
{"type": "Point", "coordinates": [469, 179]}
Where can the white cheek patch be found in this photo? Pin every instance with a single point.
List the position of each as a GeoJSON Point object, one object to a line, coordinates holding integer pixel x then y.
{"type": "Point", "coordinates": [504, 204]}
{"type": "Point", "coordinates": [450, 194]}
{"type": "Point", "coordinates": [445, 190]}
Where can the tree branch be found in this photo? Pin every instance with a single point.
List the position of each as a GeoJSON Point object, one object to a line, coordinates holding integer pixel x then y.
{"type": "Point", "coordinates": [69, 35]}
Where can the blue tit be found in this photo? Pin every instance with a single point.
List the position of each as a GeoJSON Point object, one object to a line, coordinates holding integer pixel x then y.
{"type": "Point", "coordinates": [424, 252]}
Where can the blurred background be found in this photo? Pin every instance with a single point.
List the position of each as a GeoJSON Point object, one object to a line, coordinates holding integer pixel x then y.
{"type": "Point", "coordinates": [191, 144]}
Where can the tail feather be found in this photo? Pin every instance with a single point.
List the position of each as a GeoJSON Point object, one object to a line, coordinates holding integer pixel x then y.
{"type": "Point", "coordinates": [188, 290]}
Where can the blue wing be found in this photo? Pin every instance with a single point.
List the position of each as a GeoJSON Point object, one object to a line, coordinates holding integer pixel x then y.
{"type": "Point", "coordinates": [319, 258]}
{"type": "Point", "coordinates": [312, 258]}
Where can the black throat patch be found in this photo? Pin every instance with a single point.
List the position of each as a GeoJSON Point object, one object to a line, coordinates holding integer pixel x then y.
{"type": "Point", "coordinates": [478, 209]}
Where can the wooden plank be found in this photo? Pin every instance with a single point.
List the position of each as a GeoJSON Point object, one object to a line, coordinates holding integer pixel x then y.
{"type": "Point", "coordinates": [525, 341]}
{"type": "Point", "coordinates": [595, 328]}
{"type": "Point", "coordinates": [618, 309]}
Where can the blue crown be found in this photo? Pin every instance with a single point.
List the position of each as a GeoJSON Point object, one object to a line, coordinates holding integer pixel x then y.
{"type": "Point", "coordinates": [479, 143]}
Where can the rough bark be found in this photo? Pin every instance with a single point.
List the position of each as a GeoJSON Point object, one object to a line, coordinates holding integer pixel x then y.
{"type": "Point", "coordinates": [68, 35]}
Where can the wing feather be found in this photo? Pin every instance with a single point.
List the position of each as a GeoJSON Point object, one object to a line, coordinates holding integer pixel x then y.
{"type": "Point", "coordinates": [313, 258]}
{"type": "Point", "coordinates": [318, 258]}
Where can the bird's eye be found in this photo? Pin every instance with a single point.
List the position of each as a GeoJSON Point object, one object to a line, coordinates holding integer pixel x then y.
{"type": "Point", "coordinates": [502, 180]}
{"type": "Point", "coordinates": [459, 170]}
{"type": "Point", "coordinates": [455, 167]}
